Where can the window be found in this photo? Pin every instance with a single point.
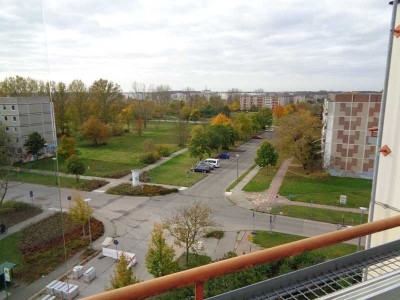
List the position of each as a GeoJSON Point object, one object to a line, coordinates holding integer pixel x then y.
{"type": "Point", "coordinates": [13, 107]}
{"type": "Point", "coordinates": [7, 129]}
{"type": "Point", "coordinates": [15, 129]}
{"type": "Point", "coordinates": [14, 118]}
{"type": "Point", "coordinates": [5, 118]}
{"type": "Point", "coordinates": [17, 140]}
{"type": "Point", "coordinates": [4, 107]}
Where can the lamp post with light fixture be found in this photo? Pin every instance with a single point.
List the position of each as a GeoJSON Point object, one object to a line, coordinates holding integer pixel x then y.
{"type": "Point", "coordinates": [55, 169]}
{"type": "Point", "coordinates": [237, 166]}
{"type": "Point", "coordinates": [90, 232]}
{"type": "Point", "coordinates": [362, 209]}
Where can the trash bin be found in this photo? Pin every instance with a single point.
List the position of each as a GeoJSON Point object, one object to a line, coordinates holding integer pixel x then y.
{"type": "Point", "coordinates": [77, 271]}
{"type": "Point", "coordinates": [89, 275]}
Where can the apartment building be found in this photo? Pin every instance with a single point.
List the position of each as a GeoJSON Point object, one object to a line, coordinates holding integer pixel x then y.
{"type": "Point", "coordinates": [23, 115]}
{"type": "Point", "coordinates": [258, 100]}
{"type": "Point", "coordinates": [349, 149]}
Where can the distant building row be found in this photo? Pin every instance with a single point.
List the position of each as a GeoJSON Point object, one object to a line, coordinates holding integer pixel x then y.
{"type": "Point", "coordinates": [261, 100]}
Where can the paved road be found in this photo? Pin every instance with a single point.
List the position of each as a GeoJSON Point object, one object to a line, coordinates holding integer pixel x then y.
{"type": "Point", "coordinates": [132, 218]}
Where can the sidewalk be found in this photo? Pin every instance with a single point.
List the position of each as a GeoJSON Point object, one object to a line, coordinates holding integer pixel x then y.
{"type": "Point", "coordinates": [266, 200]}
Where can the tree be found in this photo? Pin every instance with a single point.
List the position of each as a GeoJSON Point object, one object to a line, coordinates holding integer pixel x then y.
{"type": "Point", "coordinates": [263, 118]}
{"type": "Point", "coordinates": [123, 275]}
{"type": "Point", "coordinates": [181, 130]}
{"type": "Point", "coordinates": [67, 147]}
{"type": "Point", "coordinates": [75, 166]}
{"type": "Point", "coordinates": [221, 119]}
{"type": "Point", "coordinates": [243, 125]}
{"type": "Point", "coordinates": [199, 143]}
{"type": "Point", "coordinates": [126, 115]}
{"type": "Point", "coordinates": [160, 256]}
{"type": "Point", "coordinates": [79, 102]}
{"type": "Point", "coordinates": [185, 113]}
{"type": "Point", "coordinates": [34, 143]}
{"type": "Point", "coordinates": [195, 115]}
{"type": "Point", "coordinates": [6, 161]}
{"type": "Point", "coordinates": [96, 131]}
{"type": "Point", "coordinates": [188, 224]}
{"type": "Point", "coordinates": [266, 155]}
{"type": "Point", "coordinates": [61, 102]}
{"type": "Point", "coordinates": [296, 134]}
{"type": "Point", "coordinates": [104, 94]}
{"type": "Point", "coordinates": [80, 212]}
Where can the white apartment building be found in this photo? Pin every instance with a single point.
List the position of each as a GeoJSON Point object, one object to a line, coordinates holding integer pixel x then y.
{"type": "Point", "coordinates": [23, 115]}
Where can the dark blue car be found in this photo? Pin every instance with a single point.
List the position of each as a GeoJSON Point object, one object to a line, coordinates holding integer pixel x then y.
{"type": "Point", "coordinates": [224, 155]}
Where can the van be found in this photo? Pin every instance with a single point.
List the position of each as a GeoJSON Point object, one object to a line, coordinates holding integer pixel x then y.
{"type": "Point", "coordinates": [213, 161]}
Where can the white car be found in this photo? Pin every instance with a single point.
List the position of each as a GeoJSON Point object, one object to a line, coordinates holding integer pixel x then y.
{"type": "Point", "coordinates": [213, 161]}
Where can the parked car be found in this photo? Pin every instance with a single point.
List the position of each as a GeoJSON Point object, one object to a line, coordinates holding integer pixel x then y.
{"type": "Point", "coordinates": [202, 168]}
{"type": "Point", "coordinates": [224, 155]}
{"type": "Point", "coordinates": [206, 163]}
{"type": "Point", "coordinates": [256, 137]}
{"type": "Point", "coordinates": [213, 161]}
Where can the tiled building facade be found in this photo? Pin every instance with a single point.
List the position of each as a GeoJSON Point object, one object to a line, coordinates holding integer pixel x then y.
{"type": "Point", "coordinates": [21, 116]}
{"type": "Point", "coordinates": [349, 148]}
{"type": "Point", "coordinates": [259, 100]}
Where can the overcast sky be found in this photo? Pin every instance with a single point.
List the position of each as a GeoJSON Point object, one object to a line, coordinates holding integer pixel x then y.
{"type": "Point", "coordinates": [247, 44]}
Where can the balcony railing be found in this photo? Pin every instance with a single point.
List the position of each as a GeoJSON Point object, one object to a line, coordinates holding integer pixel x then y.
{"type": "Point", "coordinates": [198, 276]}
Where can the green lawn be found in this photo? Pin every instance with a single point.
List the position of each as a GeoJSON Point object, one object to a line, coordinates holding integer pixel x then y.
{"type": "Point", "coordinates": [176, 171]}
{"type": "Point", "coordinates": [9, 250]}
{"type": "Point", "coordinates": [320, 214]}
{"type": "Point", "coordinates": [267, 239]}
{"type": "Point", "coordinates": [262, 180]}
{"type": "Point", "coordinates": [325, 189]}
{"type": "Point", "coordinates": [49, 180]}
{"type": "Point", "coordinates": [121, 154]}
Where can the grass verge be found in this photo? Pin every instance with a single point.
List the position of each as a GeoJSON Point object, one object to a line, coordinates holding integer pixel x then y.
{"type": "Point", "coordinates": [235, 183]}
{"type": "Point", "coordinates": [14, 212]}
{"type": "Point", "coordinates": [176, 171]}
{"type": "Point", "coordinates": [262, 180]}
{"type": "Point", "coordinates": [320, 214]}
{"type": "Point", "coordinates": [325, 189]}
{"type": "Point", "coordinates": [49, 180]}
{"type": "Point", "coordinates": [267, 239]}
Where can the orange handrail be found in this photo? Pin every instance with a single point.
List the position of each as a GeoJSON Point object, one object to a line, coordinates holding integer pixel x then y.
{"type": "Point", "coordinates": [199, 275]}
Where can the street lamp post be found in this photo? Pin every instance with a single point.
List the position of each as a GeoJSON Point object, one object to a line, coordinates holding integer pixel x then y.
{"type": "Point", "coordinates": [362, 209]}
{"type": "Point", "coordinates": [237, 166]}
{"type": "Point", "coordinates": [55, 169]}
{"type": "Point", "coordinates": [90, 232]}
{"type": "Point", "coordinates": [116, 247]}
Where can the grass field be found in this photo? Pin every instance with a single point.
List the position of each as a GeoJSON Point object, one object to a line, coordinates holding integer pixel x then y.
{"type": "Point", "coordinates": [121, 154]}
{"type": "Point", "coordinates": [9, 249]}
{"type": "Point", "coordinates": [262, 180]}
{"type": "Point", "coordinates": [267, 239]}
{"type": "Point", "coordinates": [49, 180]}
{"type": "Point", "coordinates": [320, 214]}
{"type": "Point", "coordinates": [233, 184]}
{"type": "Point", "coordinates": [176, 171]}
{"type": "Point", "coordinates": [325, 189]}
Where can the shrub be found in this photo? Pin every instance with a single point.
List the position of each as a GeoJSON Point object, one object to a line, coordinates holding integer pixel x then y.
{"type": "Point", "coordinates": [118, 174]}
{"type": "Point", "coordinates": [92, 185]}
{"type": "Point", "coordinates": [144, 177]}
{"type": "Point", "coordinates": [117, 129]}
{"type": "Point", "coordinates": [218, 234]}
{"type": "Point", "coordinates": [150, 158]}
{"type": "Point", "coordinates": [127, 189]}
{"type": "Point", "coordinates": [148, 146]}
{"type": "Point", "coordinates": [163, 150]}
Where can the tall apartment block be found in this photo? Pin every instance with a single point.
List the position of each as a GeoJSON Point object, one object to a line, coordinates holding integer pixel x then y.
{"type": "Point", "coordinates": [259, 100]}
{"type": "Point", "coordinates": [23, 115]}
{"type": "Point", "coordinates": [349, 147]}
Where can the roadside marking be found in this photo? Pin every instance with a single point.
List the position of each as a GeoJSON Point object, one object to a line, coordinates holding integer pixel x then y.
{"type": "Point", "coordinates": [228, 193]}
{"type": "Point", "coordinates": [99, 191]}
{"type": "Point", "coordinates": [183, 188]}
{"type": "Point", "coordinates": [54, 209]}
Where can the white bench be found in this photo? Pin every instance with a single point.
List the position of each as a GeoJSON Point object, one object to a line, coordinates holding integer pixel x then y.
{"type": "Point", "coordinates": [131, 257]}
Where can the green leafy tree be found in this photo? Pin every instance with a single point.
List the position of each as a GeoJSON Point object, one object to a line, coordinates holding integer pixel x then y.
{"type": "Point", "coordinates": [34, 143]}
{"type": "Point", "coordinates": [266, 155]}
{"type": "Point", "coordinates": [195, 115]}
{"type": "Point", "coordinates": [185, 113]}
{"type": "Point", "coordinates": [199, 143]}
{"type": "Point", "coordinates": [263, 118]}
{"type": "Point", "coordinates": [6, 161]}
{"type": "Point", "coordinates": [80, 211]}
{"type": "Point", "coordinates": [188, 224]}
{"type": "Point", "coordinates": [181, 130]}
{"type": "Point", "coordinates": [75, 166]}
{"type": "Point", "coordinates": [243, 125]}
{"type": "Point", "coordinates": [66, 148]}
{"type": "Point", "coordinates": [160, 256]}
{"type": "Point", "coordinates": [123, 275]}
